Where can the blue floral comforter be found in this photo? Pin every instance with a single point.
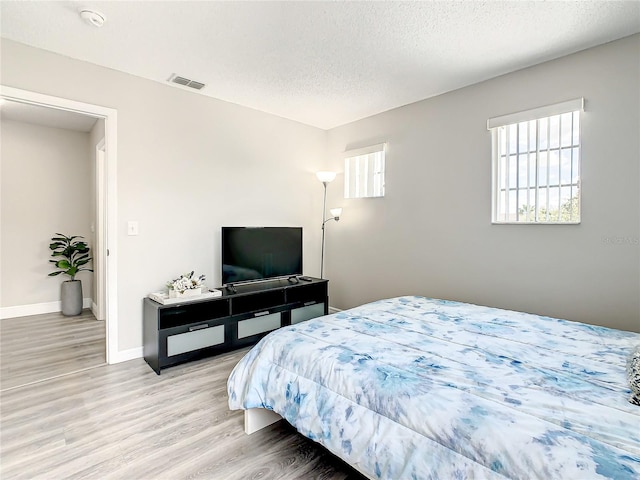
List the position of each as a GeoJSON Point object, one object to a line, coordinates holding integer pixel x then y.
{"type": "Point", "coordinates": [420, 388]}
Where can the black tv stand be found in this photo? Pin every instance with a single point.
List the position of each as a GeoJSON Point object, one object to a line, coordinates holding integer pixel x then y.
{"type": "Point", "coordinates": [182, 332]}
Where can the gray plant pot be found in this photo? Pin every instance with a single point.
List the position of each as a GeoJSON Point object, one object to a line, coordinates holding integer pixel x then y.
{"type": "Point", "coordinates": [71, 297]}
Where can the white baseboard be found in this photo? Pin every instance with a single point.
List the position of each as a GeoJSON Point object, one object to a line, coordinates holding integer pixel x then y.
{"type": "Point", "coordinates": [37, 309]}
{"type": "Point", "coordinates": [334, 310]}
{"type": "Point", "coordinates": [96, 311]}
{"type": "Point", "coordinates": [126, 355]}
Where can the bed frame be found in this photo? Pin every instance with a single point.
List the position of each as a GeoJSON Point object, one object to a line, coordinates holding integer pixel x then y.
{"type": "Point", "coordinates": [258, 418]}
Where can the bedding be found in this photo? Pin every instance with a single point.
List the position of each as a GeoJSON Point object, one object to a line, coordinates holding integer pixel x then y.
{"type": "Point", "coordinates": [419, 388]}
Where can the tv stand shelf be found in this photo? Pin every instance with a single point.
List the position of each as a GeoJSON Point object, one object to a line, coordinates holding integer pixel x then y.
{"type": "Point", "coordinates": [182, 332]}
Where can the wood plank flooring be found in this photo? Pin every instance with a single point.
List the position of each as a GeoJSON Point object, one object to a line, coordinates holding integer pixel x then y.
{"type": "Point", "coordinates": [38, 347]}
{"type": "Point", "coordinates": [123, 421]}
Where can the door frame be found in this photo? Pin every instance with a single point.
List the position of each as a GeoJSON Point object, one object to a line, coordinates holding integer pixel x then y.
{"type": "Point", "coordinates": [101, 209]}
{"type": "Point", "coordinates": [110, 199]}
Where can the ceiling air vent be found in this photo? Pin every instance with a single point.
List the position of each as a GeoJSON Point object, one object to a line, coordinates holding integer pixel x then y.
{"type": "Point", "coordinates": [186, 82]}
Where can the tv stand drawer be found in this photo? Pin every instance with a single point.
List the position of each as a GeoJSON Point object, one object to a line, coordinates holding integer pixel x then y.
{"type": "Point", "coordinates": [258, 325]}
{"type": "Point", "coordinates": [307, 313]}
{"type": "Point", "coordinates": [195, 340]}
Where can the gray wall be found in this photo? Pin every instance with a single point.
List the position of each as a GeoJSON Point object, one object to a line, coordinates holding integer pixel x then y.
{"type": "Point", "coordinates": [45, 188]}
{"type": "Point", "coordinates": [187, 165]}
{"type": "Point", "coordinates": [432, 234]}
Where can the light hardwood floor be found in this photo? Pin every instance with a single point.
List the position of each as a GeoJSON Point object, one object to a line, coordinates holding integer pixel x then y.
{"type": "Point", "coordinates": [123, 421]}
{"type": "Point", "coordinates": [38, 347]}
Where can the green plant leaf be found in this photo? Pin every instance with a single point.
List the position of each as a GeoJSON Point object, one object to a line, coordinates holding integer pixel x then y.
{"type": "Point", "coordinates": [63, 264]}
{"type": "Point", "coordinates": [74, 251]}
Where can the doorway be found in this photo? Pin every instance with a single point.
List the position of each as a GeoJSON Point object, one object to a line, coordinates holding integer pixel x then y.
{"type": "Point", "coordinates": [105, 251]}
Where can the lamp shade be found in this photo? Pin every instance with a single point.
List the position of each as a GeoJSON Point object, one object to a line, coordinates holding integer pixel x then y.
{"type": "Point", "coordinates": [326, 177]}
{"type": "Point", "coordinates": [336, 212]}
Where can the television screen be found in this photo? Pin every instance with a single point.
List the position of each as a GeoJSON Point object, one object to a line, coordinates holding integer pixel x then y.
{"type": "Point", "coordinates": [257, 253]}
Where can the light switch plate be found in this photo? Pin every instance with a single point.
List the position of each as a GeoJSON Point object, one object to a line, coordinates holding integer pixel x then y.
{"type": "Point", "coordinates": [132, 227]}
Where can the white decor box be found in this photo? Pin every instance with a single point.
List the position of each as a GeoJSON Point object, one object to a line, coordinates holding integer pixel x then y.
{"type": "Point", "coordinates": [165, 299]}
{"type": "Point", "coordinates": [192, 292]}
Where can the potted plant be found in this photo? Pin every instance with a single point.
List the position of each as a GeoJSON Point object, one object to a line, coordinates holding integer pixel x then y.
{"type": "Point", "coordinates": [71, 255]}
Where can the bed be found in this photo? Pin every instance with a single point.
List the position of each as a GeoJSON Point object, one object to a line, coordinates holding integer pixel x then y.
{"type": "Point", "coordinates": [416, 388]}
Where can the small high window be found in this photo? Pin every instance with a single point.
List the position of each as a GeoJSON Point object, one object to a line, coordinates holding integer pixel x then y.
{"type": "Point", "coordinates": [536, 165]}
{"type": "Point", "coordinates": [364, 172]}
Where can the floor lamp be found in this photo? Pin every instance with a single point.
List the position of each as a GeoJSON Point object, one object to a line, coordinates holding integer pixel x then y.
{"type": "Point", "coordinates": [326, 178]}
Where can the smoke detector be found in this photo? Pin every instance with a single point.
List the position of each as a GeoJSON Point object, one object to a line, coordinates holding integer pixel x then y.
{"type": "Point", "coordinates": [93, 17]}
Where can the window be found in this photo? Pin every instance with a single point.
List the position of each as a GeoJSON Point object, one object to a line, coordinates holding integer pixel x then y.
{"type": "Point", "coordinates": [364, 172]}
{"type": "Point", "coordinates": [536, 165]}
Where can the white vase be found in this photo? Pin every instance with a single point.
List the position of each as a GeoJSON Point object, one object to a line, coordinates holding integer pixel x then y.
{"type": "Point", "coordinates": [194, 292]}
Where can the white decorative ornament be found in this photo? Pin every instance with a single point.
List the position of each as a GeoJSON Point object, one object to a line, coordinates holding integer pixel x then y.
{"type": "Point", "coordinates": [186, 285]}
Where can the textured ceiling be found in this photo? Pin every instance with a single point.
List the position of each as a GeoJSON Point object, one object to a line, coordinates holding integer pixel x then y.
{"type": "Point", "coordinates": [321, 63]}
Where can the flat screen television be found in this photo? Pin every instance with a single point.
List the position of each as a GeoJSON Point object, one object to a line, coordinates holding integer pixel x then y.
{"type": "Point", "coordinates": [260, 253]}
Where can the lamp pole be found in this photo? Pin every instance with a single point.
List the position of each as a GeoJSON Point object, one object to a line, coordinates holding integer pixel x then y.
{"type": "Point", "coordinates": [326, 178]}
{"type": "Point", "coordinates": [324, 213]}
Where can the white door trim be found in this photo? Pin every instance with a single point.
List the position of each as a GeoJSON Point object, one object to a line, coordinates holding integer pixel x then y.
{"type": "Point", "coordinates": [100, 240]}
{"type": "Point", "coordinates": [111, 201]}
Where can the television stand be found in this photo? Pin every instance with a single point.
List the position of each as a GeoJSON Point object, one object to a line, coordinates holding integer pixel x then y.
{"type": "Point", "coordinates": [182, 332]}
{"type": "Point", "coordinates": [231, 288]}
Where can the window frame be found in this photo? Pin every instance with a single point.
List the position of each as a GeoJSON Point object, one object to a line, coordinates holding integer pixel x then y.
{"type": "Point", "coordinates": [370, 176]}
{"type": "Point", "coordinates": [536, 114]}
